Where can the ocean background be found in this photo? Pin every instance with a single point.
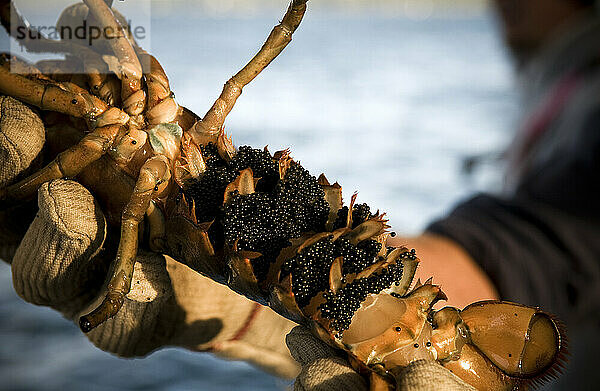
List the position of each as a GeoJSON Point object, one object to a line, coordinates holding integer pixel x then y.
{"type": "Point", "coordinates": [390, 99]}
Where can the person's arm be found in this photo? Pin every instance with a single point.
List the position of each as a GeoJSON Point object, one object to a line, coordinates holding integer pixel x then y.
{"type": "Point", "coordinates": [534, 253]}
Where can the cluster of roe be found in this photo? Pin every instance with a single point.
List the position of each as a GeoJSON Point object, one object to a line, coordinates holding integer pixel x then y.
{"type": "Point", "coordinates": [278, 211]}
{"type": "Point", "coordinates": [340, 307]}
{"type": "Point", "coordinates": [265, 221]}
{"type": "Point", "coordinates": [360, 213]}
{"type": "Point", "coordinates": [310, 268]}
{"type": "Point", "coordinates": [209, 189]}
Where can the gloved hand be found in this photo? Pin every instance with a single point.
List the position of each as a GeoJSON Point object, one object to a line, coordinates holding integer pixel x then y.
{"type": "Point", "coordinates": [326, 369]}
{"type": "Point", "coordinates": [60, 262]}
{"type": "Point", "coordinates": [323, 367]}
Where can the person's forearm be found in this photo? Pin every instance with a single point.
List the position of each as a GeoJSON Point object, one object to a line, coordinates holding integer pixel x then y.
{"type": "Point", "coordinates": [451, 267]}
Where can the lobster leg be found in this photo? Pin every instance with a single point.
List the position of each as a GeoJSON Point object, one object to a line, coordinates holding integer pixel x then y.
{"type": "Point", "coordinates": [280, 37]}
{"type": "Point", "coordinates": [48, 96]}
{"type": "Point", "coordinates": [67, 99]}
{"type": "Point", "coordinates": [153, 174]}
{"type": "Point", "coordinates": [108, 88]}
{"type": "Point", "coordinates": [132, 94]}
{"type": "Point", "coordinates": [67, 164]}
{"type": "Point", "coordinates": [161, 106]}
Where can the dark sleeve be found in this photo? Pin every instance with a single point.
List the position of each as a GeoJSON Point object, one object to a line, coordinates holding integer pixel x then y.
{"type": "Point", "coordinates": [534, 253]}
{"type": "Point", "coordinates": [569, 178]}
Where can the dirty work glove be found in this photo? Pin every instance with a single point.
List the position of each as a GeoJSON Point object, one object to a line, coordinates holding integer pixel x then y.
{"type": "Point", "coordinates": [327, 369]}
{"type": "Point", "coordinates": [21, 140]}
{"type": "Point", "coordinates": [60, 263]}
{"type": "Point", "coordinates": [323, 367]}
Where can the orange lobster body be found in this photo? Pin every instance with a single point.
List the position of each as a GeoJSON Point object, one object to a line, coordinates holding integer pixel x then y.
{"type": "Point", "coordinates": [492, 345]}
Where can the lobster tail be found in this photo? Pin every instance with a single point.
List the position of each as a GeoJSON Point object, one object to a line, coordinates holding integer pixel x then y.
{"type": "Point", "coordinates": [271, 231]}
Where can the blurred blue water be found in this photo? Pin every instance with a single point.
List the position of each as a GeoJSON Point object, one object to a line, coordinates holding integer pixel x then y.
{"type": "Point", "coordinates": [389, 107]}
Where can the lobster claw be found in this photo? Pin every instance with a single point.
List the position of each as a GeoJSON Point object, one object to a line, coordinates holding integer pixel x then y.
{"type": "Point", "coordinates": [523, 342]}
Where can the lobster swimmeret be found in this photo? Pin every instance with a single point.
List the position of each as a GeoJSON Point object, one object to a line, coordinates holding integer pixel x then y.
{"type": "Point", "coordinates": [259, 222]}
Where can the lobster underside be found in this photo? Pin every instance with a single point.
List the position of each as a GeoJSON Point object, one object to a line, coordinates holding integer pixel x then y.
{"type": "Point", "coordinates": [265, 227]}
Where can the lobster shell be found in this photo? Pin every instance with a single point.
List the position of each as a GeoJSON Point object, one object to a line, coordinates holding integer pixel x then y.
{"type": "Point", "coordinates": [390, 325]}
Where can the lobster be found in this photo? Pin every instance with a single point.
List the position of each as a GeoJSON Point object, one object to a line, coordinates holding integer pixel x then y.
{"type": "Point", "coordinates": [256, 221]}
